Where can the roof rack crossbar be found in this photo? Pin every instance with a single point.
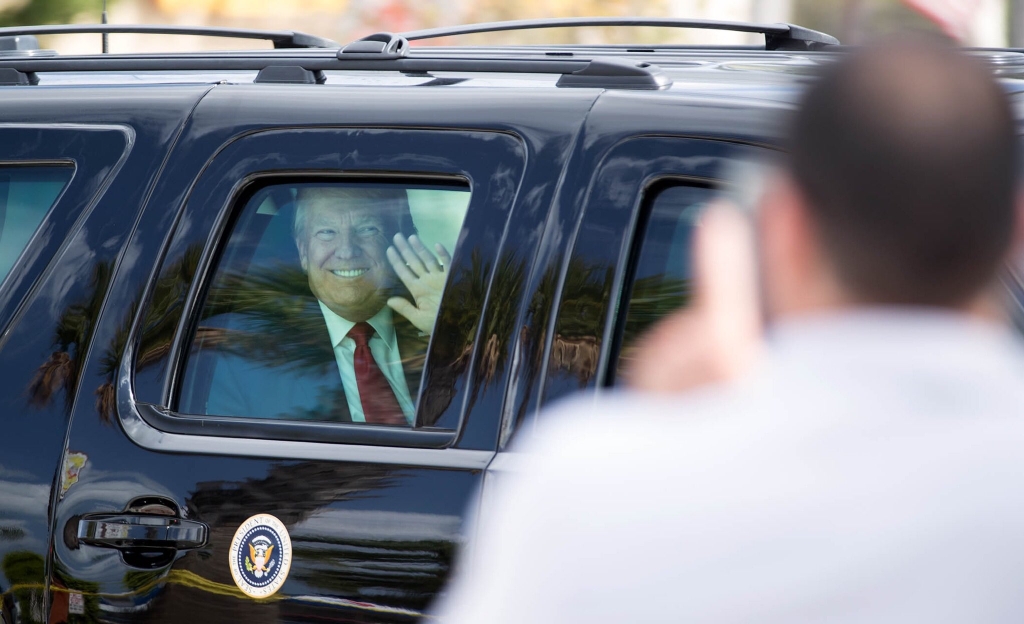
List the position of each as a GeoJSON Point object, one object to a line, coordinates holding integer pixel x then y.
{"type": "Point", "coordinates": [280, 38]}
{"type": "Point", "coordinates": [255, 63]}
{"type": "Point", "coordinates": [777, 36]}
{"type": "Point", "coordinates": [606, 73]}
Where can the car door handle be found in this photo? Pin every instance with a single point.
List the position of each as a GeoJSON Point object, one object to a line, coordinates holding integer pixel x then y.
{"type": "Point", "coordinates": [141, 531]}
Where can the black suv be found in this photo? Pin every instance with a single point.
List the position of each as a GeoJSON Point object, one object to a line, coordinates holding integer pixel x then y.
{"type": "Point", "coordinates": [268, 319]}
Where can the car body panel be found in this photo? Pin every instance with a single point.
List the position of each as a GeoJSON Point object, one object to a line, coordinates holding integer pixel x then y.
{"type": "Point", "coordinates": [51, 302]}
{"type": "Point", "coordinates": [374, 528]}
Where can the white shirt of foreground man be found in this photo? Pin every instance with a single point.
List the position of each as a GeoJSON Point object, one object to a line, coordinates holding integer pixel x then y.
{"type": "Point", "coordinates": [817, 490]}
{"type": "Point", "coordinates": [869, 468]}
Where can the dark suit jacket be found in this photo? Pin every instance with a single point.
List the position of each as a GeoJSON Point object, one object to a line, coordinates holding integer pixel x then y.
{"type": "Point", "coordinates": [279, 363]}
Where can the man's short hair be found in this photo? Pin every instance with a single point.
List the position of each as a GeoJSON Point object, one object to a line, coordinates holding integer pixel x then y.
{"type": "Point", "coordinates": [907, 156]}
{"type": "Point", "coordinates": [393, 202]}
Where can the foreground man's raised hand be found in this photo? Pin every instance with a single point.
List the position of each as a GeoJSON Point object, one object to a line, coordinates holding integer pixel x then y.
{"type": "Point", "coordinates": [719, 336]}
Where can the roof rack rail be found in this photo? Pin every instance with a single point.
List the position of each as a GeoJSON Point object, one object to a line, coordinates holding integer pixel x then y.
{"type": "Point", "coordinates": [280, 38]}
{"type": "Point", "coordinates": [608, 73]}
{"type": "Point", "coordinates": [777, 36]}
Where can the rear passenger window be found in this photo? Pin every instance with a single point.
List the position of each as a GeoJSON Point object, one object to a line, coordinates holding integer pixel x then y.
{"type": "Point", "coordinates": [660, 272]}
{"type": "Point", "coordinates": [26, 194]}
{"type": "Point", "coordinates": [323, 301]}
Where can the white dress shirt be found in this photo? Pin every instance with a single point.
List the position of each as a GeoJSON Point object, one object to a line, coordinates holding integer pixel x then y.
{"type": "Point", "coordinates": [383, 346]}
{"type": "Point", "coordinates": [872, 470]}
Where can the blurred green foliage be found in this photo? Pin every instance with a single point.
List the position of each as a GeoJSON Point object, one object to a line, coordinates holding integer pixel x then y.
{"type": "Point", "coordinates": [852, 21]}
{"type": "Point", "coordinates": [26, 576]}
{"type": "Point", "coordinates": [36, 12]}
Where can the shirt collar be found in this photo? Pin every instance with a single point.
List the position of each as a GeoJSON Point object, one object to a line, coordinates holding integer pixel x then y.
{"type": "Point", "coordinates": [338, 327]}
{"type": "Point", "coordinates": [922, 338]}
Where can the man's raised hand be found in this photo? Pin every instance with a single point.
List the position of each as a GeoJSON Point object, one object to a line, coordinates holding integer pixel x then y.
{"type": "Point", "coordinates": [424, 275]}
{"type": "Point", "coordinates": [718, 337]}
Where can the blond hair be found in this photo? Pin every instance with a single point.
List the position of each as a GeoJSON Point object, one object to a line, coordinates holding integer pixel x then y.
{"type": "Point", "coordinates": [393, 201]}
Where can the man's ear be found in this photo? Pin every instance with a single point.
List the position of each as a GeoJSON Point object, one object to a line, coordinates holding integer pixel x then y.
{"type": "Point", "coordinates": [1017, 244]}
{"type": "Point", "coordinates": [303, 256]}
{"type": "Point", "coordinates": [790, 248]}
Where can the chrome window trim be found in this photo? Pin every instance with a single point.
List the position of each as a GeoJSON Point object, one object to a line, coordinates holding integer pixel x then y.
{"type": "Point", "coordinates": [148, 437]}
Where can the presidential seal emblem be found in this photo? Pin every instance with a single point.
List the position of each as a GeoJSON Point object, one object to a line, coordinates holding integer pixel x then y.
{"type": "Point", "coordinates": [261, 555]}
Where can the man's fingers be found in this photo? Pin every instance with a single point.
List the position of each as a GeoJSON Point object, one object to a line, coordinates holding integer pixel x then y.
{"type": "Point", "coordinates": [718, 337]}
{"type": "Point", "coordinates": [410, 257]}
{"type": "Point", "coordinates": [674, 355]}
{"type": "Point", "coordinates": [403, 307]}
{"type": "Point", "coordinates": [398, 264]}
{"type": "Point", "coordinates": [442, 253]}
{"type": "Point", "coordinates": [421, 321]}
{"type": "Point", "coordinates": [429, 259]}
{"type": "Point", "coordinates": [726, 280]}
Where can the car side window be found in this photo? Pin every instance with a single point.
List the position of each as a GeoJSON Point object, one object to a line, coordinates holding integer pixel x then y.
{"type": "Point", "coordinates": [322, 303]}
{"type": "Point", "coordinates": [26, 194]}
{"type": "Point", "coordinates": [659, 278]}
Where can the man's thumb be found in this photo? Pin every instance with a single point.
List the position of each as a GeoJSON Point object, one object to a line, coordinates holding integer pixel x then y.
{"type": "Point", "coordinates": [402, 306]}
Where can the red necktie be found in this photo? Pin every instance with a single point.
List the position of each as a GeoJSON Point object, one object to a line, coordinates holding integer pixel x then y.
{"type": "Point", "coordinates": [380, 407]}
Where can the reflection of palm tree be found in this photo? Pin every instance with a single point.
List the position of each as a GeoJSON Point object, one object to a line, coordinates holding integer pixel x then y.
{"type": "Point", "coordinates": [141, 580]}
{"type": "Point", "coordinates": [25, 573]}
{"type": "Point", "coordinates": [273, 303]}
{"type": "Point", "coordinates": [576, 346]}
{"type": "Point", "coordinates": [466, 297]}
{"type": "Point", "coordinates": [159, 326]}
{"type": "Point", "coordinates": [453, 343]}
{"type": "Point", "coordinates": [77, 324]}
{"type": "Point", "coordinates": [63, 583]}
{"type": "Point", "coordinates": [71, 341]}
{"type": "Point", "coordinates": [405, 574]}
{"type": "Point", "coordinates": [11, 533]}
{"type": "Point", "coordinates": [585, 297]}
{"type": "Point", "coordinates": [164, 310]}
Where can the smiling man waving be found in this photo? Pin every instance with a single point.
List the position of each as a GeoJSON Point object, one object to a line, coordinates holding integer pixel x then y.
{"type": "Point", "coordinates": [344, 237]}
{"type": "Point", "coordinates": [351, 348]}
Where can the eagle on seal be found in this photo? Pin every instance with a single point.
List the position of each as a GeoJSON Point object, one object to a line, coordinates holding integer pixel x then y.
{"type": "Point", "coordinates": [259, 552]}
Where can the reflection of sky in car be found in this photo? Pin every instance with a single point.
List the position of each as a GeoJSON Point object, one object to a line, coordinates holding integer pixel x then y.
{"type": "Point", "coordinates": [26, 195]}
{"type": "Point", "coordinates": [438, 215]}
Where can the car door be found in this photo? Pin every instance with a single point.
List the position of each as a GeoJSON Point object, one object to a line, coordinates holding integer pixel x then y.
{"type": "Point", "coordinates": [651, 163]}
{"type": "Point", "coordinates": [647, 166]}
{"type": "Point", "coordinates": [156, 525]}
{"type": "Point", "coordinates": [631, 261]}
{"type": "Point", "coordinates": [72, 178]}
{"type": "Point", "coordinates": [49, 176]}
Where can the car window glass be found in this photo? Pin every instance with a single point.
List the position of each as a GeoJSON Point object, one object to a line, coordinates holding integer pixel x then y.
{"type": "Point", "coordinates": [313, 311]}
{"type": "Point", "coordinates": [26, 194]}
{"type": "Point", "coordinates": [661, 267]}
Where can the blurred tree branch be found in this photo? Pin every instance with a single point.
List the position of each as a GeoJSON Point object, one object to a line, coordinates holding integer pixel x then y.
{"type": "Point", "coordinates": [36, 12]}
{"type": "Point", "coordinates": [853, 21]}
{"type": "Point", "coordinates": [502, 10]}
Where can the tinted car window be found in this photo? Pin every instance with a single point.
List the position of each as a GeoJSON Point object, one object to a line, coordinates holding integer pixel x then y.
{"type": "Point", "coordinates": [660, 280]}
{"type": "Point", "coordinates": [26, 194]}
{"type": "Point", "coordinates": [322, 303]}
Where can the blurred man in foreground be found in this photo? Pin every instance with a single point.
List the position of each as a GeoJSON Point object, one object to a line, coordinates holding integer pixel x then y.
{"type": "Point", "coordinates": [868, 469]}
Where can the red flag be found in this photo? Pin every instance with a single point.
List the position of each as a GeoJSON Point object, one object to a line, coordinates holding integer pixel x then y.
{"type": "Point", "coordinates": [952, 16]}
